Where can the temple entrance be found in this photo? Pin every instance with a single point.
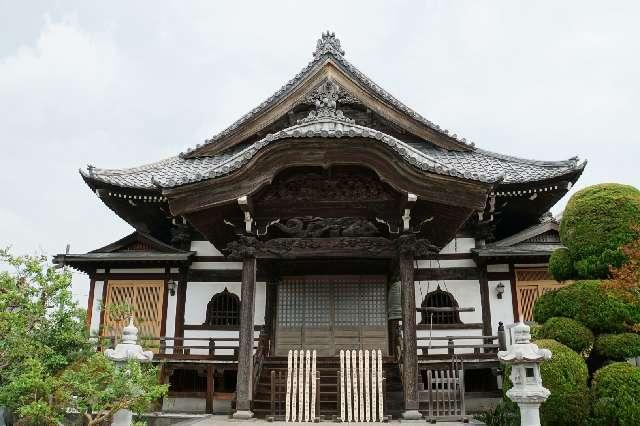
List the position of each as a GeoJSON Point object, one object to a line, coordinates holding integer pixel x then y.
{"type": "Point", "coordinates": [329, 313]}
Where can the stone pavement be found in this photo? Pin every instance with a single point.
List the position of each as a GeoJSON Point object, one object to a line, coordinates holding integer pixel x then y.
{"type": "Point", "coordinates": [223, 420]}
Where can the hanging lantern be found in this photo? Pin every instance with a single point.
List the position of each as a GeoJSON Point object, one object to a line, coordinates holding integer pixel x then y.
{"type": "Point", "coordinates": [394, 301]}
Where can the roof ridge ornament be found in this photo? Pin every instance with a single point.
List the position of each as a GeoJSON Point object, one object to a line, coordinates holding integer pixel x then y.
{"type": "Point", "coordinates": [326, 100]}
{"type": "Point", "coordinates": [328, 43]}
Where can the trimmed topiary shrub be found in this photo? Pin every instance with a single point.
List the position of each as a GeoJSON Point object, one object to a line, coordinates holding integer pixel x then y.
{"type": "Point", "coordinates": [596, 222]}
{"type": "Point", "coordinates": [618, 347]}
{"type": "Point", "coordinates": [561, 265]}
{"type": "Point", "coordinates": [565, 375]}
{"type": "Point", "coordinates": [616, 395]}
{"type": "Point", "coordinates": [569, 332]}
{"type": "Point", "coordinates": [586, 302]}
{"type": "Point", "coordinates": [536, 331]}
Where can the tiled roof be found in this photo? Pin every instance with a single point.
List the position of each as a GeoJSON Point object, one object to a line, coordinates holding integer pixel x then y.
{"type": "Point", "coordinates": [328, 122]}
{"type": "Point", "coordinates": [528, 242]}
{"type": "Point", "coordinates": [328, 46]}
{"type": "Point", "coordinates": [476, 165]}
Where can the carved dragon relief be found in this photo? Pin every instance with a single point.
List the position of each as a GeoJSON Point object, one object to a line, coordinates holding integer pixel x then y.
{"type": "Point", "coordinates": [316, 227]}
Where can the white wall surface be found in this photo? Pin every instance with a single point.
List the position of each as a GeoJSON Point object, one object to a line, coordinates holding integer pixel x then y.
{"type": "Point", "coordinates": [459, 245]}
{"type": "Point", "coordinates": [466, 293]}
{"type": "Point", "coordinates": [199, 294]}
{"type": "Point", "coordinates": [204, 248]}
{"type": "Point", "coordinates": [94, 327]}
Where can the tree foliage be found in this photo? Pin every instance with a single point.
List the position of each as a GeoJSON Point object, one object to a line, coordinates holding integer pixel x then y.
{"type": "Point", "coordinates": [618, 347]}
{"type": "Point", "coordinates": [47, 364]}
{"type": "Point", "coordinates": [597, 221]}
{"type": "Point", "coordinates": [561, 265]}
{"type": "Point", "coordinates": [569, 332]}
{"type": "Point", "coordinates": [616, 395]}
{"type": "Point", "coordinates": [97, 389]}
{"type": "Point", "coordinates": [587, 302]}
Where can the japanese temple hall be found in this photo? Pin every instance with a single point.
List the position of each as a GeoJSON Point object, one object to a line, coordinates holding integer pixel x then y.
{"type": "Point", "coordinates": [330, 218]}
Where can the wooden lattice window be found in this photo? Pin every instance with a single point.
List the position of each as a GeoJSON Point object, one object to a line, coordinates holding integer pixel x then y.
{"type": "Point", "coordinates": [440, 299]}
{"type": "Point", "coordinates": [223, 309]}
{"type": "Point", "coordinates": [143, 300]}
{"type": "Point", "coordinates": [531, 283]}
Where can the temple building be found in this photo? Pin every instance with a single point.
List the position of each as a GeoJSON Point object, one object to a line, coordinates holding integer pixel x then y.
{"type": "Point", "coordinates": [330, 217]}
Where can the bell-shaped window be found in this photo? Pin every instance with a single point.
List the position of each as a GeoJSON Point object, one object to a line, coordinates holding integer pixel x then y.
{"type": "Point", "coordinates": [223, 310]}
{"type": "Point", "coordinates": [445, 308]}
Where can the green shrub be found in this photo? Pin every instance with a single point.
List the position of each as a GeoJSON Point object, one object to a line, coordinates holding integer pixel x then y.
{"type": "Point", "coordinates": [618, 347]}
{"type": "Point", "coordinates": [616, 395]}
{"type": "Point", "coordinates": [586, 302]}
{"type": "Point", "coordinates": [569, 332]}
{"type": "Point", "coordinates": [536, 331]}
{"type": "Point", "coordinates": [561, 265]}
{"type": "Point", "coordinates": [506, 413]}
{"type": "Point", "coordinates": [596, 222]}
{"type": "Point", "coordinates": [565, 375]}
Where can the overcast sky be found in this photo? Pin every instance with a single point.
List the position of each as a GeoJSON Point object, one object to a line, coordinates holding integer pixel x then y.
{"type": "Point", "coordinates": [122, 83]}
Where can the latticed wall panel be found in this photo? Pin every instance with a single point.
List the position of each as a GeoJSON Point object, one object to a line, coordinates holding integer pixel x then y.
{"type": "Point", "coordinates": [145, 297]}
{"type": "Point", "coordinates": [328, 313]}
{"type": "Point", "coordinates": [531, 283]}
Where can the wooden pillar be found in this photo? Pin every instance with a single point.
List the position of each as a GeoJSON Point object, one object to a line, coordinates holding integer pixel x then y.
{"type": "Point", "coordinates": [181, 298]}
{"type": "Point", "coordinates": [484, 301]}
{"type": "Point", "coordinates": [210, 385]}
{"type": "Point", "coordinates": [409, 353]}
{"type": "Point", "coordinates": [92, 290]}
{"type": "Point", "coordinates": [244, 391]}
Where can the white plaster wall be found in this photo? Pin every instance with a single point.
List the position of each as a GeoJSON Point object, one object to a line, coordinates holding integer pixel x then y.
{"type": "Point", "coordinates": [459, 245]}
{"type": "Point", "coordinates": [466, 293]}
{"type": "Point", "coordinates": [501, 309]}
{"type": "Point", "coordinates": [199, 294]}
{"type": "Point", "coordinates": [170, 323]}
{"type": "Point", "coordinates": [446, 263]}
{"type": "Point", "coordinates": [216, 265]}
{"type": "Point", "coordinates": [204, 248]}
{"type": "Point", "coordinates": [498, 268]}
{"type": "Point", "coordinates": [137, 271]}
{"type": "Point", "coordinates": [94, 327]}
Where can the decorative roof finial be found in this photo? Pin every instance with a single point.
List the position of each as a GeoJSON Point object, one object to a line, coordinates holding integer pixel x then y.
{"type": "Point", "coordinates": [325, 98]}
{"type": "Point", "coordinates": [328, 43]}
{"type": "Point", "coordinates": [547, 217]}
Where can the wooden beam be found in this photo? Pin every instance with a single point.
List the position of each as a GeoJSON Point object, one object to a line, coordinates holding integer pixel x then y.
{"type": "Point", "coordinates": [440, 274]}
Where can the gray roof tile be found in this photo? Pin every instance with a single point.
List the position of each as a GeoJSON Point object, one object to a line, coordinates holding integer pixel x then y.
{"type": "Point", "coordinates": [478, 165]}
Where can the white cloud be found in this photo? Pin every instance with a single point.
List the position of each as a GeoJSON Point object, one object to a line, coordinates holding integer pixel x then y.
{"type": "Point", "coordinates": [122, 83]}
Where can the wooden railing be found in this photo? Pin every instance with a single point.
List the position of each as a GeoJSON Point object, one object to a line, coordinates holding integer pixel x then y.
{"type": "Point", "coordinates": [258, 358]}
{"type": "Point", "coordinates": [473, 346]}
{"type": "Point", "coordinates": [175, 347]}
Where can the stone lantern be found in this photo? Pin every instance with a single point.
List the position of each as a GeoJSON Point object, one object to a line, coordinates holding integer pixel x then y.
{"type": "Point", "coordinates": [129, 349]}
{"type": "Point", "coordinates": [525, 358]}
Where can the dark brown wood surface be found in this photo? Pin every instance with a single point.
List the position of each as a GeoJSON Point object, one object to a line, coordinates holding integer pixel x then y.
{"type": "Point", "coordinates": [245, 344]}
{"type": "Point", "coordinates": [409, 351]}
